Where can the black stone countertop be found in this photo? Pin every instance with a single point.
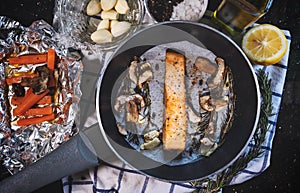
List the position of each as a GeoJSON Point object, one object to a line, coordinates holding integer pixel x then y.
{"type": "Point", "coordinates": [281, 176]}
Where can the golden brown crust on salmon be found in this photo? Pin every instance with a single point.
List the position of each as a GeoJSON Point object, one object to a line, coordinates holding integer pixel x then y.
{"type": "Point", "coordinates": [174, 132]}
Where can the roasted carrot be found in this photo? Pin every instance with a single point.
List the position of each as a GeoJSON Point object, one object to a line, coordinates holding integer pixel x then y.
{"type": "Point", "coordinates": [15, 100]}
{"type": "Point", "coordinates": [35, 120]}
{"type": "Point", "coordinates": [30, 99]}
{"type": "Point", "coordinates": [46, 100]}
{"type": "Point", "coordinates": [51, 58]}
{"type": "Point", "coordinates": [28, 59]}
{"type": "Point", "coordinates": [39, 111]}
{"type": "Point", "coordinates": [18, 79]}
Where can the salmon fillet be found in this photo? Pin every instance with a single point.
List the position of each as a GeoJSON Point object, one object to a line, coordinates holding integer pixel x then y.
{"type": "Point", "coordinates": [175, 126]}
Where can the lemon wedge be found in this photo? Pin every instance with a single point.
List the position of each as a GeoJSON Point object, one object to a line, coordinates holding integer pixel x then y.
{"type": "Point", "coordinates": [264, 44]}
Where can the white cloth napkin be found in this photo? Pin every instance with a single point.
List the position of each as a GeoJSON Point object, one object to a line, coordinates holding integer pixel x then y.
{"type": "Point", "coordinates": [117, 177]}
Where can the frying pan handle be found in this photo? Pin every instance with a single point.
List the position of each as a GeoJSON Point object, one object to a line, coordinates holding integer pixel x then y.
{"type": "Point", "coordinates": [71, 157]}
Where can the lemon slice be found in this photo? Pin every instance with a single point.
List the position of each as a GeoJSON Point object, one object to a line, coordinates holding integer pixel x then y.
{"type": "Point", "coordinates": [264, 44]}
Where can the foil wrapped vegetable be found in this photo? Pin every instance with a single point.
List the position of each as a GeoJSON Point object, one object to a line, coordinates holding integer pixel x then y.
{"type": "Point", "coordinates": [25, 64]}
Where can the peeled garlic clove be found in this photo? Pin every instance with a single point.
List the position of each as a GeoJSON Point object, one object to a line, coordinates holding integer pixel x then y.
{"type": "Point", "coordinates": [113, 22]}
{"type": "Point", "coordinates": [104, 24]}
{"type": "Point", "coordinates": [151, 144]}
{"type": "Point", "coordinates": [108, 4]}
{"type": "Point", "coordinates": [111, 14]}
{"type": "Point", "coordinates": [151, 135]}
{"type": "Point", "coordinates": [122, 7]}
{"type": "Point", "coordinates": [101, 36]}
{"type": "Point", "coordinates": [120, 28]}
{"type": "Point", "coordinates": [93, 7]}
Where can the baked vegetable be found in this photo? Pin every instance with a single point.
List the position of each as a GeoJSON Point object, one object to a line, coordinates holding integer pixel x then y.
{"type": "Point", "coordinates": [32, 91]}
{"type": "Point", "coordinates": [28, 59]}
{"type": "Point", "coordinates": [30, 99]}
{"type": "Point", "coordinates": [35, 120]}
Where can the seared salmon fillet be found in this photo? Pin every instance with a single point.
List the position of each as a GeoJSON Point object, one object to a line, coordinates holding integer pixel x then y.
{"type": "Point", "coordinates": [174, 131]}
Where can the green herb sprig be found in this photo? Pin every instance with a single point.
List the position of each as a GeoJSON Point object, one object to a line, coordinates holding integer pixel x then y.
{"type": "Point", "coordinates": [212, 185]}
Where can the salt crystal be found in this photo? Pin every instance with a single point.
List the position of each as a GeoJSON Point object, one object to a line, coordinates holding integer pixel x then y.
{"type": "Point", "coordinates": [189, 10]}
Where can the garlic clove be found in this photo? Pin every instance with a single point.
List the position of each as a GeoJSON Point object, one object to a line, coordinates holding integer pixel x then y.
{"type": "Point", "coordinates": [108, 4]}
{"type": "Point", "coordinates": [104, 24]}
{"type": "Point", "coordinates": [111, 14]}
{"type": "Point", "coordinates": [122, 7]}
{"type": "Point", "coordinates": [93, 7]}
{"type": "Point", "coordinates": [101, 36]}
{"type": "Point", "coordinates": [113, 22]}
{"type": "Point", "coordinates": [120, 28]}
{"type": "Point", "coordinates": [151, 144]}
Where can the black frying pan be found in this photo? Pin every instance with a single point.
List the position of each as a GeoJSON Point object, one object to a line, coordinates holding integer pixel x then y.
{"type": "Point", "coordinates": [101, 141]}
{"type": "Point", "coordinates": [246, 110]}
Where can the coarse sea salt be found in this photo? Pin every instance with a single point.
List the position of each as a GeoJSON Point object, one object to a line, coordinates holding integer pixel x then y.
{"type": "Point", "coordinates": [189, 10]}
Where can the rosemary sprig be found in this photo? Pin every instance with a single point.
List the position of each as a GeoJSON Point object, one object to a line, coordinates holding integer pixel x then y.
{"type": "Point", "coordinates": [225, 177]}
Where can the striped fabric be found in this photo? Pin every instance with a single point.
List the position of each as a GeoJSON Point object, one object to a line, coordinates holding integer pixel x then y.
{"type": "Point", "coordinates": [277, 73]}
{"type": "Point", "coordinates": [117, 177]}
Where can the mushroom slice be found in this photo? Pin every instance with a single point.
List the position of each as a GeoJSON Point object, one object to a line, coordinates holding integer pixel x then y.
{"type": "Point", "coordinates": [204, 65]}
{"type": "Point", "coordinates": [132, 112]}
{"type": "Point", "coordinates": [123, 99]}
{"type": "Point", "coordinates": [145, 76]}
{"type": "Point", "coordinates": [227, 81]}
{"type": "Point", "coordinates": [204, 101]}
{"type": "Point", "coordinates": [138, 99]}
{"type": "Point", "coordinates": [140, 73]}
{"type": "Point", "coordinates": [133, 106]}
{"type": "Point", "coordinates": [38, 84]}
{"type": "Point", "coordinates": [133, 71]}
{"type": "Point", "coordinates": [122, 129]}
{"type": "Point", "coordinates": [220, 73]}
{"type": "Point", "coordinates": [219, 103]}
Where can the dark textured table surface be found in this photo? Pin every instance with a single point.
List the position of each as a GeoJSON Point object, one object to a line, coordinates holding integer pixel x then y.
{"type": "Point", "coordinates": [281, 176]}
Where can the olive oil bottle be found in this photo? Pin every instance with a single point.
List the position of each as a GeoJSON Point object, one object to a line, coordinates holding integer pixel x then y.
{"type": "Point", "coordinates": [236, 15]}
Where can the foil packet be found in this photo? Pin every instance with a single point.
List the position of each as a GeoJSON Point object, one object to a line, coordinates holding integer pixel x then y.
{"type": "Point", "coordinates": [23, 145]}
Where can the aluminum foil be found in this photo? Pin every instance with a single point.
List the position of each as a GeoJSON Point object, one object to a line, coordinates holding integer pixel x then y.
{"type": "Point", "coordinates": [22, 146]}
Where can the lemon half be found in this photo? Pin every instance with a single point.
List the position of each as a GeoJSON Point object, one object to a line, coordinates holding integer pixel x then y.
{"type": "Point", "coordinates": [264, 44]}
